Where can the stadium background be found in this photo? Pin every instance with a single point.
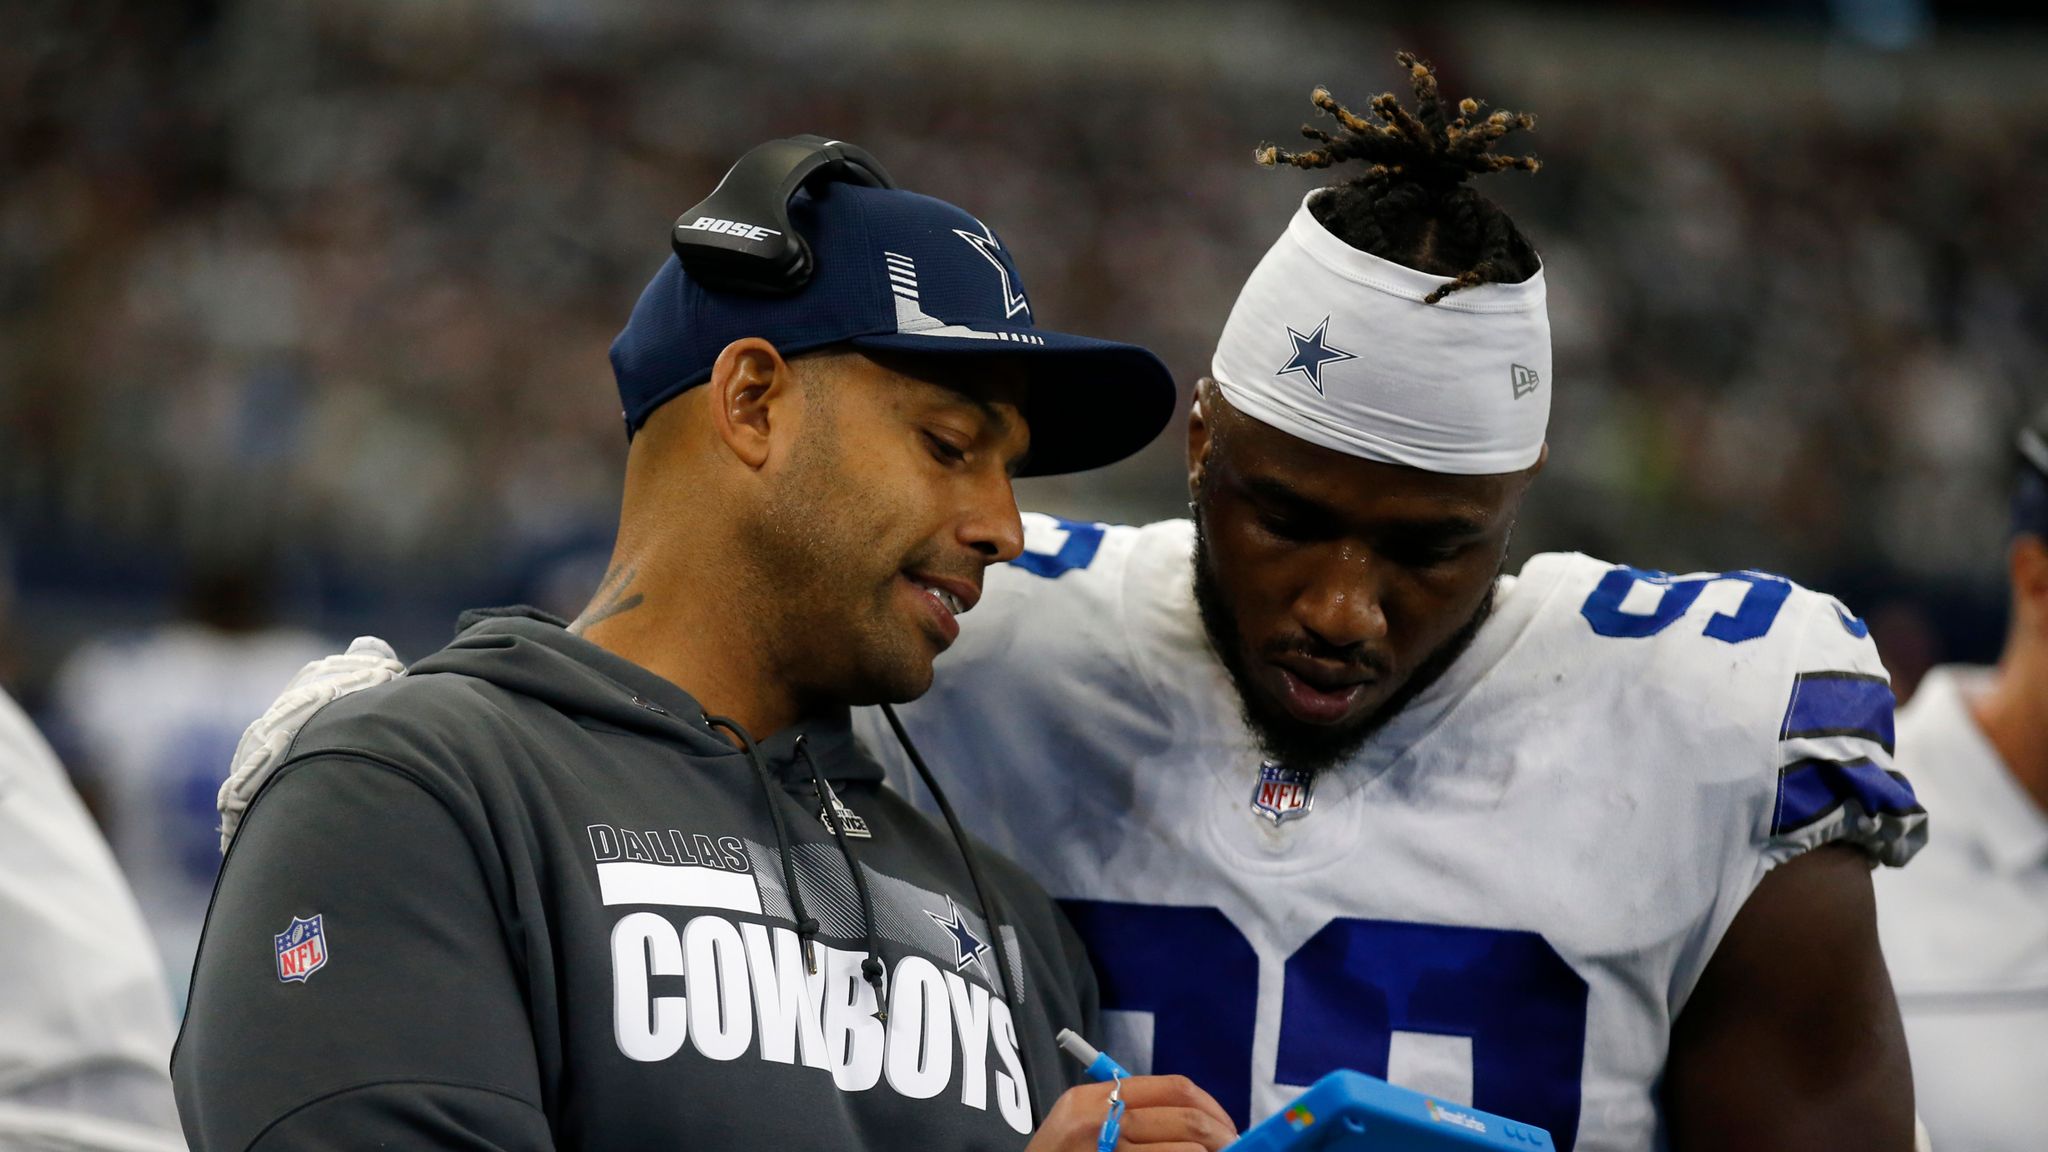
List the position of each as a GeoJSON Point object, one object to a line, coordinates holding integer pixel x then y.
{"type": "Point", "coordinates": [306, 304]}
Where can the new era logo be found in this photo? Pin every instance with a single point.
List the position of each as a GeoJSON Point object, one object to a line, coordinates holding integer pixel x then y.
{"type": "Point", "coordinates": [1525, 380]}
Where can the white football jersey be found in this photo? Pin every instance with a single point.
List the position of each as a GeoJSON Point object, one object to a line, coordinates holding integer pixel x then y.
{"type": "Point", "coordinates": [85, 1023]}
{"type": "Point", "coordinates": [1965, 930]}
{"type": "Point", "coordinates": [156, 717]}
{"type": "Point", "coordinates": [1503, 899]}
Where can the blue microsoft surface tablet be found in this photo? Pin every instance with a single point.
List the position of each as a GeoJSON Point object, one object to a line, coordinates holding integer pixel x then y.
{"type": "Point", "coordinates": [1352, 1112]}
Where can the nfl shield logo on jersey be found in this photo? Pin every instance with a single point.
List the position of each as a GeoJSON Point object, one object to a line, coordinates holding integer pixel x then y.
{"type": "Point", "coordinates": [301, 949]}
{"type": "Point", "coordinates": [1283, 794]}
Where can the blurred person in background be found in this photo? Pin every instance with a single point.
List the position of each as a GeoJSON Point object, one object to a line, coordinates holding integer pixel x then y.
{"type": "Point", "coordinates": [318, 253]}
{"type": "Point", "coordinates": [151, 720]}
{"type": "Point", "coordinates": [85, 1019]}
{"type": "Point", "coordinates": [1965, 929]}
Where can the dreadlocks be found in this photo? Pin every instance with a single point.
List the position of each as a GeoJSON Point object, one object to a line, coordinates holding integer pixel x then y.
{"type": "Point", "coordinates": [1413, 205]}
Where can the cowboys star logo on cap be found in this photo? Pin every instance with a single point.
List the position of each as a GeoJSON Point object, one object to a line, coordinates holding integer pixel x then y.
{"type": "Point", "coordinates": [966, 944]}
{"type": "Point", "coordinates": [987, 245]}
{"type": "Point", "coordinates": [1311, 352]}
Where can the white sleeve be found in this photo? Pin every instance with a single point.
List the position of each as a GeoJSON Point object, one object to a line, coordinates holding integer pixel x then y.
{"type": "Point", "coordinates": [1806, 717]}
{"type": "Point", "coordinates": [85, 1017]}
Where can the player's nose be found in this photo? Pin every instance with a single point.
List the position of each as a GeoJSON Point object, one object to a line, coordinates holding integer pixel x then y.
{"type": "Point", "coordinates": [1342, 607]}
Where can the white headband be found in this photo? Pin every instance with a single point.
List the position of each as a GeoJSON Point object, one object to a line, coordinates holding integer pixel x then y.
{"type": "Point", "coordinates": [1335, 346]}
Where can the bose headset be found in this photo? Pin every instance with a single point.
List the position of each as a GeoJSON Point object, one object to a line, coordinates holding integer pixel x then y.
{"type": "Point", "coordinates": [739, 239]}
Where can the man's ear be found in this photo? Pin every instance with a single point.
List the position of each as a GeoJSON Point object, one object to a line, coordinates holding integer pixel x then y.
{"type": "Point", "coordinates": [748, 382]}
{"type": "Point", "coordinates": [1201, 435]}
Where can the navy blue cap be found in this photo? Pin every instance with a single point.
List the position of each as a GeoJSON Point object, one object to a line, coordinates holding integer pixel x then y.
{"type": "Point", "coordinates": [897, 271]}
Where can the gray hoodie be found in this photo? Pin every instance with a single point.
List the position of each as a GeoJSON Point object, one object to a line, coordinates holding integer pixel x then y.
{"type": "Point", "coordinates": [526, 897]}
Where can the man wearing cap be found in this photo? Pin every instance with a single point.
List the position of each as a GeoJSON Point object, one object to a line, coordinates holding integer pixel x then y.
{"type": "Point", "coordinates": [1966, 928]}
{"type": "Point", "coordinates": [550, 890]}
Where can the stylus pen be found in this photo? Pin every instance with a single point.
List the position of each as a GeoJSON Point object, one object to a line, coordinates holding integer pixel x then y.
{"type": "Point", "coordinates": [1098, 1063]}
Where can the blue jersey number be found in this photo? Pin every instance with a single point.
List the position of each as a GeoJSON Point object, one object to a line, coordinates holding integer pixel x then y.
{"type": "Point", "coordinates": [1761, 599]}
{"type": "Point", "coordinates": [1346, 992]}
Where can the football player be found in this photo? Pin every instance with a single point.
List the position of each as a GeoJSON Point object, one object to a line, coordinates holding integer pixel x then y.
{"type": "Point", "coordinates": [85, 1021]}
{"type": "Point", "coordinates": [1966, 928]}
{"type": "Point", "coordinates": [1588, 845]}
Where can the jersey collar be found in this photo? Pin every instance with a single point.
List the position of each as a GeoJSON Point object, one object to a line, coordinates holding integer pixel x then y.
{"type": "Point", "coordinates": [1971, 778]}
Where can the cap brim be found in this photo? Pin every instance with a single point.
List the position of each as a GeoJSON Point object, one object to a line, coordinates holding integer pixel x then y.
{"type": "Point", "coordinates": [1090, 402]}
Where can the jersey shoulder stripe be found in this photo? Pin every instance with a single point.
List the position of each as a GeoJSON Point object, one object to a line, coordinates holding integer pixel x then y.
{"type": "Point", "coordinates": [1812, 790]}
{"type": "Point", "coordinates": [1840, 704]}
{"type": "Point", "coordinates": [1836, 780]}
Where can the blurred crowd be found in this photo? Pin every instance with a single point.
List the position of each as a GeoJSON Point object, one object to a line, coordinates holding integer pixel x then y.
{"type": "Point", "coordinates": [324, 291]}
{"type": "Point", "coordinates": [304, 304]}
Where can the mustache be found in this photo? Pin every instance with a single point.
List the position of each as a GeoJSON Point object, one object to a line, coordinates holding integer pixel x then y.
{"type": "Point", "coordinates": [1370, 662]}
{"type": "Point", "coordinates": [948, 563]}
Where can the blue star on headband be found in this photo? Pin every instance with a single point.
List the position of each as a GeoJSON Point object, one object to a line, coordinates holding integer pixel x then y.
{"type": "Point", "coordinates": [1311, 352]}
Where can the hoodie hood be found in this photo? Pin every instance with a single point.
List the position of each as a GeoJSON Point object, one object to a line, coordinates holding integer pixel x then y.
{"type": "Point", "coordinates": [543, 846]}
{"type": "Point", "coordinates": [532, 653]}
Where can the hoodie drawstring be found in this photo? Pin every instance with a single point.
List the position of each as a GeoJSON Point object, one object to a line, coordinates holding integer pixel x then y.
{"type": "Point", "coordinates": [981, 891]}
{"type": "Point", "coordinates": [806, 927]}
{"type": "Point", "coordinates": [870, 968]}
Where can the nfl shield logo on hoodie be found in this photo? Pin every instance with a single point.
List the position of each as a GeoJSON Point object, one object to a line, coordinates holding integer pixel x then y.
{"type": "Point", "coordinates": [301, 949]}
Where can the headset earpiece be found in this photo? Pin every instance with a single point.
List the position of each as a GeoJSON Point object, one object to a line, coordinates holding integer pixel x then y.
{"type": "Point", "coordinates": [739, 238]}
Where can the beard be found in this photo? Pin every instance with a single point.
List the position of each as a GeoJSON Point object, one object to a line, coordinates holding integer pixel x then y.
{"type": "Point", "coordinates": [1297, 744]}
{"type": "Point", "coordinates": [830, 620]}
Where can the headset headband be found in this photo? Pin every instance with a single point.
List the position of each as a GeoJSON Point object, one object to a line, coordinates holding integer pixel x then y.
{"type": "Point", "coordinates": [739, 238]}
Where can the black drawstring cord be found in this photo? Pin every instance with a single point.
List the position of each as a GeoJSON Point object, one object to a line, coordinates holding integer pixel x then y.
{"type": "Point", "coordinates": [871, 967]}
{"type": "Point", "coordinates": [806, 928]}
{"type": "Point", "coordinates": [981, 891]}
